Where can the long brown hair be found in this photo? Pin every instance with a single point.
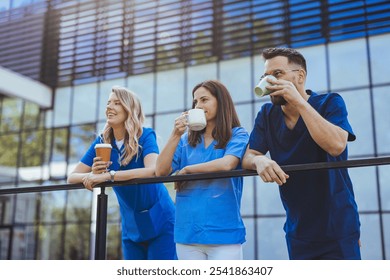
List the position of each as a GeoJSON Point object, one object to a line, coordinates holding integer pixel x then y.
{"type": "Point", "coordinates": [226, 117]}
{"type": "Point", "coordinates": [133, 123]}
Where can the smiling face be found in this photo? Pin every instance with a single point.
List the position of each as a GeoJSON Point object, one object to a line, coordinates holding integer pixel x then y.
{"type": "Point", "coordinates": [203, 99]}
{"type": "Point", "coordinates": [115, 112]}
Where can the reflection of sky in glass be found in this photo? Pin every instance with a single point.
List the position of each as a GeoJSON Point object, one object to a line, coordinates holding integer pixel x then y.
{"type": "Point", "coordinates": [19, 3]}
{"type": "Point", "coordinates": [4, 5]}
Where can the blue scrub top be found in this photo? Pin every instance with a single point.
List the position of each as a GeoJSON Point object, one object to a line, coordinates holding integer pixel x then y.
{"type": "Point", "coordinates": [320, 205]}
{"type": "Point", "coordinates": [144, 208]}
{"type": "Point", "coordinates": [208, 211]}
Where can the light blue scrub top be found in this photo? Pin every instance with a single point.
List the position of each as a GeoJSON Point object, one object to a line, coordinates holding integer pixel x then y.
{"type": "Point", "coordinates": [208, 211]}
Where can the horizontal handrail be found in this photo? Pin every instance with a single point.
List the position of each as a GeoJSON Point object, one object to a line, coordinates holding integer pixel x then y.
{"type": "Point", "coordinates": [101, 217]}
{"type": "Point", "coordinates": [204, 176]}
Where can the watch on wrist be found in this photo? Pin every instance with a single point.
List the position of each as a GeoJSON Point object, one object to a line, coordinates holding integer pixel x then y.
{"type": "Point", "coordinates": [112, 173]}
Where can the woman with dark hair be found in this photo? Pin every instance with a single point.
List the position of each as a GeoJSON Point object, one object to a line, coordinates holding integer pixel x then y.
{"type": "Point", "coordinates": [208, 222]}
{"type": "Point", "coordinates": [147, 211]}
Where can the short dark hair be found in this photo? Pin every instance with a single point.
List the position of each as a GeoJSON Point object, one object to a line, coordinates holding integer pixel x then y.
{"type": "Point", "coordinates": [292, 55]}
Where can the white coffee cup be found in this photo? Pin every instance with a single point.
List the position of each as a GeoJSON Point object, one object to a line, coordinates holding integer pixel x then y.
{"type": "Point", "coordinates": [196, 119]}
{"type": "Point", "coordinates": [260, 89]}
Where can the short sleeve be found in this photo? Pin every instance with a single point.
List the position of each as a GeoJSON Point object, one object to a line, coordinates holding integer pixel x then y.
{"type": "Point", "coordinates": [257, 138]}
{"type": "Point", "coordinates": [90, 154]}
{"type": "Point", "coordinates": [148, 141]}
{"type": "Point", "coordinates": [238, 142]}
{"type": "Point", "coordinates": [336, 113]}
{"type": "Point", "coordinates": [176, 161]}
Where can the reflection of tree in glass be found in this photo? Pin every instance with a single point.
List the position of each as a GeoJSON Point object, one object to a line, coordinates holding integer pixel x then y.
{"type": "Point", "coordinates": [70, 241]}
{"type": "Point", "coordinates": [81, 138]}
{"type": "Point", "coordinates": [8, 150]}
{"type": "Point", "coordinates": [31, 140]}
{"type": "Point", "coordinates": [11, 112]}
{"type": "Point", "coordinates": [114, 242]}
{"type": "Point", "coordinates": [60, 144]}
{"type": "Point", "coordinates": [77, 240]}
{"type": "Point", "coordinates": [32, 148]}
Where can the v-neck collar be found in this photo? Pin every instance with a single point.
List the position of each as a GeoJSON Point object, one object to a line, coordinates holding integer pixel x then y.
{"type": "Point", "coordinates": [299, 123]}
{"type": "Point", "coordinates": [203, 143]}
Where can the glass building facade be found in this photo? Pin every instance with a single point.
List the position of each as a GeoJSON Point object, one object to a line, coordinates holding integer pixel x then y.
{"type": "Point", "coordinates": [160, 50]}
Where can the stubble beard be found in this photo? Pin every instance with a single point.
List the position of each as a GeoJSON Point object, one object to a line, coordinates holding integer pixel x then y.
{"type": "Point", "coordinates": [278, 100]}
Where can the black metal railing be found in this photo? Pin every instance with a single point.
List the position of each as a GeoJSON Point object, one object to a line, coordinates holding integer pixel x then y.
{"type": "Point", "coordinates": [101, 217]}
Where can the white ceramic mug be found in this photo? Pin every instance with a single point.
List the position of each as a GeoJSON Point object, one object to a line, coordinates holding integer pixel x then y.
{"type": "Point", "coordinates": [260, 89]}
{"type": "Point", "coordinates": [196, 119]}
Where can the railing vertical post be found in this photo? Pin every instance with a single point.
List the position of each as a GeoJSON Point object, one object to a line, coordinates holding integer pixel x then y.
{"type": "Point", "coordinates": [101, 226]}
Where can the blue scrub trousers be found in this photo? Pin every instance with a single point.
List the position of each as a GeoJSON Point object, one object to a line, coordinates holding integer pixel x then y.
{"type": "Point", "coordinates": [161, 247]}
{"type": "Point", "coordinates": [344, 249]}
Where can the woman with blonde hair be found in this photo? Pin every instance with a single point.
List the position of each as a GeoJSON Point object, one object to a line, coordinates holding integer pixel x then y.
{"type": "Point", "coordinates": [147, 211]}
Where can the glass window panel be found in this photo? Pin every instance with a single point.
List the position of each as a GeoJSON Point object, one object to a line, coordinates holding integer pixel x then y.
{"type": "Point", "coordinates": [170, 86]}
{"type": "Point", "coordinates": [50, 242]}
{"type": "Point", "coordinates": [163, 128]}
{"type": "Point", "coordinates": [248, 247]}
{"type": "Point", "coordinates": [382, 117]}
{"type": "Point", "coordinates": [258, 71]}
{"type": "Point", "coordinates": [62, 106]}
{"type": "Point", "coordinates": [8, 157]}
{"type": "Point", "coordinates": [32, 148]}
{"type": "Point", "coordinates": [365, 188]}
{"type": "Point", "coordinates": [47, 153]}
{"type": "Point", "coordinates": [11, 114]}
{"type": "Point", "coordinates": [84, 104]}
{"type": "Point", "coordinates": [58, 160]}
{"type": "Point", "coordinates": [360, 118]}
{"type": "Point", "coordinates": [52, 206]}
{"type": "Point", "coordinates": [6, 209]}
{"type": "Point", "coordinates": [112, 205]}
{"type": "Point", "coordinates": [81, 138]}
{"type": "Point", "coordinates": [25, 208]}
{"type": "Point", "coordinates": [370, 237]}
{"type": "Point", "coordinates": [19, 3]}
{"type": "Point", "coordinates": [23, 243]}
{"type": "Point", "coordinates": [4, 241]}
{"type": "Point", "coordinates": [79, 206]}
{"type": "Point", "coordinates": [386, 221]}
{"type": "Point", "coordinates": [31, 115]}
{"type": "Point", "coordinates": [77, 241]}
{"type": "Point", "coordinates": [197, 74]}
{"type": "Point", "coordinates": [380, 58]}
{"type": "Point", "coordinates": [267, 198]}
{"type": "Point", "coordinates": [114, 242]}
{"type": "Point", "coordinates": [245, 115]}
{"type": "Point", "coordinates": [316, 67]}
{"type": "Point", "coordinates": [348, 64]}
{"type": "Point", "coordinates": [271, 242]}
{"type": "Point", "coordinates": [143, 86]}
{"type": "Point", "coordinates": [248, 197]}
{"type": "Point", "coordinates": [4, 5]}
{"type": "Point", "coordinates": [235, 75]}
{"type": "Point", "coordinates": [100, 126]}
{"type": "Point", "coordinates": [384, 181]}
{"type": "Point", "coordinates": [149, 121]}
